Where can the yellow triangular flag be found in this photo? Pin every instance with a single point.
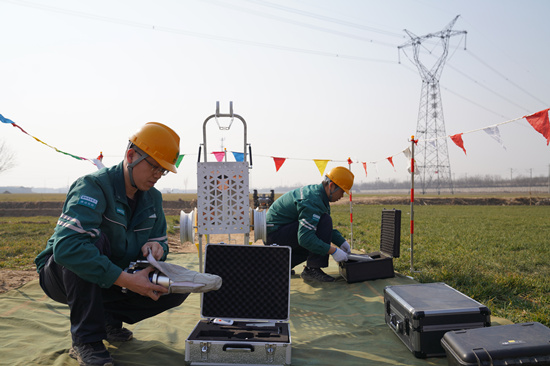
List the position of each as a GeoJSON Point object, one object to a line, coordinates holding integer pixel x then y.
{"type": "Point", "coordinates": [321, 165]}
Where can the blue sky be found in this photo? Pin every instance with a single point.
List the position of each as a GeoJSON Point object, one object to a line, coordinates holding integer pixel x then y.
{"type": "Point", "coordinates": [314, 79]}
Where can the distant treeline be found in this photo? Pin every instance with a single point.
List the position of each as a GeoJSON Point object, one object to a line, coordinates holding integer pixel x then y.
{"type": "Point", "coordinates": [474, 182]}
{"type": "Point", "coordinates": [488, 181]}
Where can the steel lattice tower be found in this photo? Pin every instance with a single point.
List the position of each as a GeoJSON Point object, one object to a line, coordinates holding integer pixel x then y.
{"type": "Point", "coordinates": [432, 156]}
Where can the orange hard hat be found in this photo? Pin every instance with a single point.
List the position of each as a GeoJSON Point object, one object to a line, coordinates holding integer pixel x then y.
{"type": "Point", "coordinates": [159, 142]}
{"type": "Point", "coordinates": [342, 177]}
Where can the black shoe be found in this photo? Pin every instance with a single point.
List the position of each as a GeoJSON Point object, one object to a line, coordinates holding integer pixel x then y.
{"type": "Point", "coordinates": [316, 274]}
{"type": "Point", "coordinates": [115, 334]}
{"type": "Point", "coordinates": [91, 354]}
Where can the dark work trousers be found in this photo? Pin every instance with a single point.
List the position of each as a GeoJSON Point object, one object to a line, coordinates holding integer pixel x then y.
{"type": "Point", "coordinates": [91, 307]}
{"type": "Point", "coordinates": [287, 235]}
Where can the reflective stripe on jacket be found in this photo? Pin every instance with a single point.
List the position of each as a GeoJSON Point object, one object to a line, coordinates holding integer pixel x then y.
{"type": "Point", "coordinates": [96, 204]}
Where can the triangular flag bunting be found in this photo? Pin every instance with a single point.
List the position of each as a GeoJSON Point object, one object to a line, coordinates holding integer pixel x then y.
{"type": "Point", "coordinates": [5, 120]}
{"type": "Point", "coordinates": [178, 162]}
{"type": "Point", "coordinates": [365, 167]}
{"type": "Point", "coordinates": [457, 139]}
{"type": "Point", "coordinates": [495, 133]}
{"type": "Point", "coordinates": [540, 123]}
{"type": "Point", "coordinates": [219, 155]}
{"type": "Point", "coordinates": [321, 165]}
{"type": "Point", "coordinates": [98, 163]}
{"type": "Point", "coordinates": [9, 121]}
{"type": "Point", "coordinates": [239, 156]}
{"type": "Point", "coordinates": [390, 159]}
{"type": "Point", "coordinates": [278, 163]}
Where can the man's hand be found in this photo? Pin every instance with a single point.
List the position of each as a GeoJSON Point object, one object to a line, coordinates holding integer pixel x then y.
{"type": "Point", "coordinates": [339, 255]}
{"type": "Point", "coordinates": [139, 283]}
{"type": "Point", "coordinates": [156, 249]}
{"type": "Point", "coordinates": [346, 247]}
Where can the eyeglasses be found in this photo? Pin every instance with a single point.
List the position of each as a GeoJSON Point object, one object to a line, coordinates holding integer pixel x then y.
{"type": "Point", "coordinates": [155, 168]}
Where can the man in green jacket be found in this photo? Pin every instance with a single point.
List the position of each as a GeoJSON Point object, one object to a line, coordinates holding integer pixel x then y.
{"type": "Point", "coordinates": [110, 218]}
{"type": "Point", "coordinates": [301, 219]}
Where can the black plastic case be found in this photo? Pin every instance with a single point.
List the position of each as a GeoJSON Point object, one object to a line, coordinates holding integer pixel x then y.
{"type": "Point", "coordinates": [420, 314]}
{"type": "Point", "coordinates": [382, 264]}
{"type": "Point", "coordinates": [515, 344]}
{"type": "Point", "coordinates": [246, 320]}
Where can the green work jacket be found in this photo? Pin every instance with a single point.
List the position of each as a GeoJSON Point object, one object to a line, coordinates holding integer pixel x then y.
{"type": "Point", "coordinates": [305, 205]}
{"type": "Point", "coordinates": [96, 204]}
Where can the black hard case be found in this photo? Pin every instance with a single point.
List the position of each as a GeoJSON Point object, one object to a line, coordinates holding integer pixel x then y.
{"type": "Point", "coordinates": [514, 344]}
{"type": "Point", "coordinates": [382, 264]}
{"type": "Point", "coordinates": [421, 314]}
{"type": "Point", "coordinates": [255, 295]}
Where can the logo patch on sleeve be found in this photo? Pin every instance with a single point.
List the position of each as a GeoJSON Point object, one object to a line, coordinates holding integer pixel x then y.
{"type": "Point", "coordinates": [88, 201]}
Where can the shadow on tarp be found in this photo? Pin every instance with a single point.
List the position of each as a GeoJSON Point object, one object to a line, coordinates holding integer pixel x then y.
{"type": "Point", "coordinates": [331, 324]}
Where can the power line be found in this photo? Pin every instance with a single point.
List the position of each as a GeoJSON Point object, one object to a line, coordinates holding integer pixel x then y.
{"type": "Point", "coordinates": [281, 47]}
{"type": "Point", "coordinates": [298, 23]}
{"type": "Point", "coordinates": [488, 89]}
{"type": "Point", "coordinates": [192, 33]}
{"type": "Point", "coordinates": [325, 18]}
{"type": "Point", "coordinates": [505, 78]}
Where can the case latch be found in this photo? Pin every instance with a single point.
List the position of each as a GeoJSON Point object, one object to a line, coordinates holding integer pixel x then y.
{"type": "Point", "coordinates": [205, 348]}
{"type": "Point", "coordinates": [270, 352]}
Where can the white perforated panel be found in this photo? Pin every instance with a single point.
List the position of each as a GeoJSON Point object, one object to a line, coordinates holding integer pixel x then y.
{"type": "Point", "coordinates": [223, 198]}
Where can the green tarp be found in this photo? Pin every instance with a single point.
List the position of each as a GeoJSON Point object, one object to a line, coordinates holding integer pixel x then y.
{"type": "Point", "coordinates": [331, 324]}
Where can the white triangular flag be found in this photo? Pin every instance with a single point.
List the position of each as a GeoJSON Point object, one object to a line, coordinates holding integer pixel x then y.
{"type": "Point", "coordinates": [495, 133]}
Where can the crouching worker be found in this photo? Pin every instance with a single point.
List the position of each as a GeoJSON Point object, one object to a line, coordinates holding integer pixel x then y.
{"type": "Point", "coordinates": [110, 218]}
{"type": "Point", "coordinates": [301, 219]}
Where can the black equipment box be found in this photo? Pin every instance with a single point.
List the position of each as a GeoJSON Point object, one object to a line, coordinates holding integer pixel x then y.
{"type": "Point", "coordinates": [421, 314]}
{"type": "Point", "coordinates": [246, 320]}
{"type": "Point", "coordinates": [514, 344]}
{"type": "Point", "coordinates": [357, 269]}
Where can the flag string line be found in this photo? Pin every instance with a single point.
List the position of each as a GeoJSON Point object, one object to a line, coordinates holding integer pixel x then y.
{"type": "Point", "coordinates": [349, 160]}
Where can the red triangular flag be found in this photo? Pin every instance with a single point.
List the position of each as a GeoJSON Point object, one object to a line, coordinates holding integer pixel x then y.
{"type": "Point", "coordinates": [278, 162]}
{"type": "Point", "coordinates": [390, 159]}
{"type": "Point", "coordinates": [540, 122]}
{"type": "Point", "coordinates": [457, 139]}
{"type": "Point", "coordinates": [365, 167]}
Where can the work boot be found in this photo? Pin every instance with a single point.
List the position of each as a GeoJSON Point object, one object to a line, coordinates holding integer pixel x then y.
{"type": "Point", "coordinates": [316, 274]}
{"type": "Point", "coordinates": [118, 334]}
{"type": "Point", "coordinates": [91, 354]}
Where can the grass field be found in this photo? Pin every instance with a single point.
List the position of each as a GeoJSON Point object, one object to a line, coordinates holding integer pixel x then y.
{"type": "Point", "coordinates": [499, 255]}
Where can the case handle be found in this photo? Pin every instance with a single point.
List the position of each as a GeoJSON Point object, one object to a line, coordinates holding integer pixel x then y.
{"type": "Point", "coordinates": [396, 325]}
{"type": "Point", "coordinates": [238, 348]}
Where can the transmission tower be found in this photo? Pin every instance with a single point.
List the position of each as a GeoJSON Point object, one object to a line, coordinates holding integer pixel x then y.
{"type": "Point", "coordinates": [431, 155]}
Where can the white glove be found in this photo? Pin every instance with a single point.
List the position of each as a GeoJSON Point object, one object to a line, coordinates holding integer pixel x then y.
{"type": "Point", "coordinates": [346, 247]}
{"type": "Point", "coordinates": [339, 255]}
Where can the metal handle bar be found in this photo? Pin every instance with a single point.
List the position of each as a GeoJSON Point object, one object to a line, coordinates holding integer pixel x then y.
{"type": "Point", "coordinates": [215, 116]}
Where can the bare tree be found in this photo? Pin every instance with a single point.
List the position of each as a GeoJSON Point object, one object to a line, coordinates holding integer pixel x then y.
{"type": "Point", "coordinates": [7, 157]}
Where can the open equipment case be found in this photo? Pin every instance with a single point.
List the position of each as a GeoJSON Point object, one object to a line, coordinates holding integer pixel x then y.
{"type": "Point", "coordinates": [245, 322]}
{"type": "Point", "coordinates": [360, 267]}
